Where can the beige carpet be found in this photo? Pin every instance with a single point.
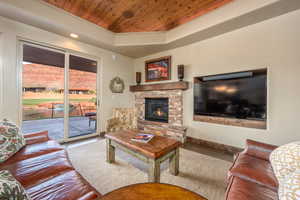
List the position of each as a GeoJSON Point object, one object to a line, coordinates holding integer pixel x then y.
{"type": "Point", "coordinates": [200, 173]}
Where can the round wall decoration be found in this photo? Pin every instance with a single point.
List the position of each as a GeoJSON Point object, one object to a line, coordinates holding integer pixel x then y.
{"type": "Point", "coordinates": [117, 85]}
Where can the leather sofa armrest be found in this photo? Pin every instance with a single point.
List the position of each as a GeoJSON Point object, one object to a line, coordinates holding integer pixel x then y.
{"type": "Point", "coordinates": [229, 174]}
{"type": "Point", "coordinates": [259, 149]}
{"type": "Point", "coordinates": [32, 138]}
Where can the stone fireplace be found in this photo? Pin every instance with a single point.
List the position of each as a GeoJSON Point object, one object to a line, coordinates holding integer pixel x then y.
{"type": "Point", "coordinates": [159, 109]}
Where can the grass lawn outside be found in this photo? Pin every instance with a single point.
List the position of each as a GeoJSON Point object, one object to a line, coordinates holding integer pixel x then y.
{"type": "Point", "coordinates": [34, 102]}
{"type": "Point", "coordinates": [31, 110]}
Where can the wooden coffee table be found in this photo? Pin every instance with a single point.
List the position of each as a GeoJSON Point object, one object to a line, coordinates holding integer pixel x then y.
{"type": "Point", "coordinates": [152, 191]}
{"type": "Point", "coordinates": [154, 152]}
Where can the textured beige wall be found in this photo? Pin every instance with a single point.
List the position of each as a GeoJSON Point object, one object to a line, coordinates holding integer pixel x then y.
{"type": "Point", "coordinates": [273, 44]}
{"type": "Point", "coordinates": [11, 32]}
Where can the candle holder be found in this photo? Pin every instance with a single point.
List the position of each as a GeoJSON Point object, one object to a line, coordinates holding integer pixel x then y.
{"type": "Point", "coordinates": [180, 72]}
{"type": "Point", "coordinates": [138, 78]}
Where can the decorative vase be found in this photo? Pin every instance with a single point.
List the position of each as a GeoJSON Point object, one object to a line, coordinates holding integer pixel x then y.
{"type": "Point", "coordinates": [138, 78]}
{"type": "Point", "coordinates": [180, 72]}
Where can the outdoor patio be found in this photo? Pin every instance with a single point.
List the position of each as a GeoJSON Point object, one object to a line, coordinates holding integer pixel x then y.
{"type": "Point", "coordinates": [78, 126]}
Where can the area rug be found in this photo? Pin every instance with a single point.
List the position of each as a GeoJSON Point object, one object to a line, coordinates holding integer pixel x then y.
{"type": "Point", "coordinates": [200, 173]}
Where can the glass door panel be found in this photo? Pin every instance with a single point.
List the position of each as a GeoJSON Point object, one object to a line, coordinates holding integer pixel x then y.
{"type": "Point", "coordinates": [82, 96]}
{"type": "Point", "coordinates": [43, 90]}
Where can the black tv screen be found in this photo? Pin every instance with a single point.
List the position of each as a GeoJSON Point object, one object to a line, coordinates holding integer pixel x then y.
{"type": "Point", "coordinates": [237, 95]}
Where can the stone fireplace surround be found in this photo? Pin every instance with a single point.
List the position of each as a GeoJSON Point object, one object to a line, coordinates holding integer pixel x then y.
{"type": "Point", "coordinates": [174, 128]}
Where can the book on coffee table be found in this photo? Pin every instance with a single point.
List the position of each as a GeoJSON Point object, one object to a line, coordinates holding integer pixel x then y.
{"type": "Point", "coordinates": [142, 137]}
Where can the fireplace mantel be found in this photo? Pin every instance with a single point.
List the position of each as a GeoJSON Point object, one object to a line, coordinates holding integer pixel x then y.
{"type": "Point", "coordinates": [180, 85]}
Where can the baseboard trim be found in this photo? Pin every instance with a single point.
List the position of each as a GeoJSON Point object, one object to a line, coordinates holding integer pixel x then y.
{"type": "Point", "coordinates": [214, 145]}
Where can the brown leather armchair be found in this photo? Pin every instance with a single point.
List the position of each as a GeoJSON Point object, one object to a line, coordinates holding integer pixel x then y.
{"type": "Point", "coordinates": [44, 170]}
{"type": "Point", "coordinates": [251, 176]}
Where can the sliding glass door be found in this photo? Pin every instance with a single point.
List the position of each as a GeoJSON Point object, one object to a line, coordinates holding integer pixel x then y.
{"type": "Point", "coordinates": [59, 93]}
{"type": "Point", "coordinates": [43, 76]}
{"type": "Point", "coordinates": [82, 96]}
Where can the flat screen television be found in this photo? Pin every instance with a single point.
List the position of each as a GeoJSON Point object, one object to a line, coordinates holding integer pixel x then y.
{"type": "Point", "coordinates": [241, 95]}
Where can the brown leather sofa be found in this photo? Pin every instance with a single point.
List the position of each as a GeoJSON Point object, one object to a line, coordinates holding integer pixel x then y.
{"type": "Point", "coordinates": [43, 168]}
{"type": "Point", "coordinates": [251, 176]}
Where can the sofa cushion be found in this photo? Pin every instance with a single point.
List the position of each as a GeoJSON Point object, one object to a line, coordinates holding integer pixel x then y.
{"type": "Point", "coordinates": [38, 169]}
{"type": "Point", "coordinates": [258, 149]}
{"type": "Point", "coordinates": [33, 150]}
{"type": "Point", "coordinates": [285, 160]}
{"type": "Point", "coordinates": [68, 185]}
{"type": "Point", "coordinates": [10, 188]}
{"type": "Point", "coordinates": [254, 169]}
{"type": "Point", "coordinates": [11, 140]}
{"type": "Point", "coordinates": [240, 189]}
{"type": "Point", "coordinates": [38, 137]}
{"type": "Point", "coordinates": [289, 189]}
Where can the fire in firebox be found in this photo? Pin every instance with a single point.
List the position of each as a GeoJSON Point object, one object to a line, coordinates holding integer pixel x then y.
{"type": "Point", "coordinates": [159, 112]}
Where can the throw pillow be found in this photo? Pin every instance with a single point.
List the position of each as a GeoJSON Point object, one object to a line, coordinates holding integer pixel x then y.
{"type": "Point", "coordinates": [289, 189]}
{"type": "Point", "coordinates": [10, 188]}
{"type": "Point", "coordinates": [11, 140]}
{"type": "Point", "coordinates": [285, 160]}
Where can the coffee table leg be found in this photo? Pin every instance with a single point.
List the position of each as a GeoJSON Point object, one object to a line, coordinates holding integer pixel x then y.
{"type": "Point", "coordinates": [174, 163]}
{"type": "Point", "coordinates": [154, 171]}
{"type": "Point", "coordinates": [110, 152]}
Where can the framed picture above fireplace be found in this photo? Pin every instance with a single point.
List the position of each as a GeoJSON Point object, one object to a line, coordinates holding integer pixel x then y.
{"type": "Point", "coordinates": [158, 69]}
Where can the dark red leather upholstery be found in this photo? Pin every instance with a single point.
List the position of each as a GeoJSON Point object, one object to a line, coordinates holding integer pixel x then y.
{"type": "Point", "coordinates": [33, 138]}
{"type": "Point", "coordinates": [258, 149]}
{"type": "Point", "coordinates": [255, 170]}
{"type": "Point", "coordinates": [31, 171]}
{"type": "Point", "coordinates": [251, 176]}
{"type": "Point", "coordinates": [240, 189]}
{"type": "Point", "coordinates": [43, 168]}
{"type": "Point", "coordinates": [34, 150]}
{"type": "Point", "coordinates": [60, 187]}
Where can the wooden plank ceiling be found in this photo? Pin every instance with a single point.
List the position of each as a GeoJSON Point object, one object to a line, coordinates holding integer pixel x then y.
{"type": "Point", "coordinates": [121, 16]}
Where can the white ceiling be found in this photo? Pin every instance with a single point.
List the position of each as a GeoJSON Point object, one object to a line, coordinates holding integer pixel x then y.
{"type": "Point", "coordinates": [235, 15]}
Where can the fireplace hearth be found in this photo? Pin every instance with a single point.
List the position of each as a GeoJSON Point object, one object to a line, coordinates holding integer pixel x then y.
{"type": "Point", "coordinates": [157, 109]}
